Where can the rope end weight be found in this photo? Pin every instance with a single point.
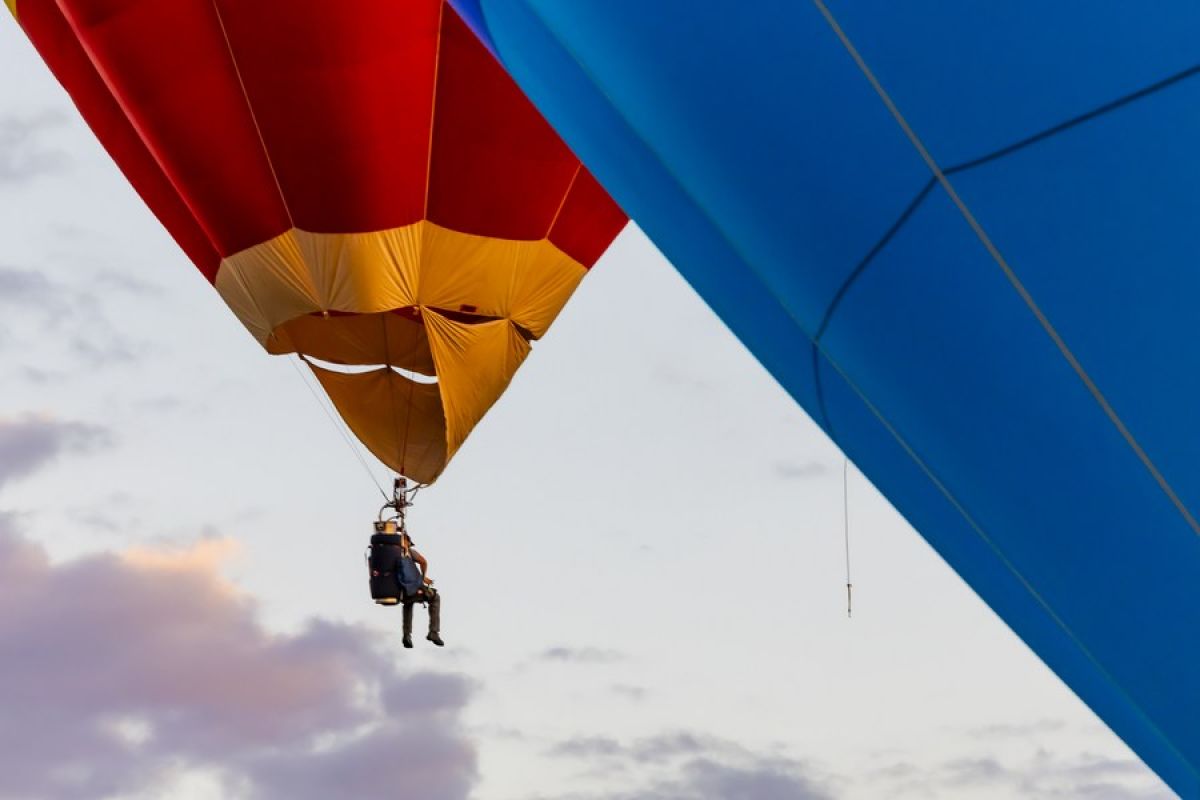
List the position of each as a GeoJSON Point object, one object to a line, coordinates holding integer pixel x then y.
{"type": "Point", "coordinates": [849, 601]}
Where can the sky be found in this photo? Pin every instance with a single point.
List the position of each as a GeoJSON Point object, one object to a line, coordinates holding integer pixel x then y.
{"type": "Point", "coordinates": [641, 551]}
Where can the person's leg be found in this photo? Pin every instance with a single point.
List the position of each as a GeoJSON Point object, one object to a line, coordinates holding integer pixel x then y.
{"type": "Point", "coordinates": [435, 617]}
{"type": "Point", "coordinates": [408, 616]}
{"type": "Point", "coordinates": [435, 612]}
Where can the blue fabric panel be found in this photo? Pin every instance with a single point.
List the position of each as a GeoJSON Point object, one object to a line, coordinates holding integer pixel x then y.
{"type": "Point", "coordinates": [974, 77]}
{"type": "Point", "coordinates": [753, 151]}
{"type": "Point", "coordinates": [1099, 222]}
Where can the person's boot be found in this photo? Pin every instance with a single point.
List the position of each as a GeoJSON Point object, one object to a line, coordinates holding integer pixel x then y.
{"type": "Point", "coordinates": [433, 637]}
{"type": "Point", "coordinates": [408, 640]}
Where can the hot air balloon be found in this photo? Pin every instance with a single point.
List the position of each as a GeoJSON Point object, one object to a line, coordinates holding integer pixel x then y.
{"type": "Point", "coordinates": [361, 182]}
{"type": "Point", "coordinates": [963, 237]}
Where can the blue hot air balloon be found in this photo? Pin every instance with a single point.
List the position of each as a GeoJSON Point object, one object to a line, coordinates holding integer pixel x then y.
{"type": "Point", "coordinates": [964, 237]}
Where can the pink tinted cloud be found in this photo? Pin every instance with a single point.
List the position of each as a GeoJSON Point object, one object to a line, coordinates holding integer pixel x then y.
{"type": "Point", "coordinates": [116, 672]}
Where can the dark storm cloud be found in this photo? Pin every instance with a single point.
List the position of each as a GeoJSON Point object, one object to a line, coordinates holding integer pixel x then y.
{"type": "Point", "coordinates": [119, 671]}
{"type": "Point", "coordinates": [24, 155]}
{"type": "Point", "coordinates": [31, 442]}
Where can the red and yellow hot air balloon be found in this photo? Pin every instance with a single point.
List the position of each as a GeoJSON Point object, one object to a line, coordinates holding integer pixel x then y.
{"type": "Point", "coordinates": [360, 181]}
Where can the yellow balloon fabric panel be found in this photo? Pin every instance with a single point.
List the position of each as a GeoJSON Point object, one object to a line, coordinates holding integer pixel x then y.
{"type": "Point", "coordinates": [399, 420]}
{"type": "Point", "coordinates": [421, 298]}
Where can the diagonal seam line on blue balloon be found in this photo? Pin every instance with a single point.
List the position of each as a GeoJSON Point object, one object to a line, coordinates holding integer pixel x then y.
{"type": "Point", "coordinates": [845, 287]}
{"type": "Point", "coordinates": [1009, 273]}
{"type": "Point", "coordinates": [1079, 120]}
{"type": "Point", "coordinates": [993, 156]}
{"type": "Point", "coordinates": [1050, 331]}
{"type": "Point", "coordinates": [1054, 130]}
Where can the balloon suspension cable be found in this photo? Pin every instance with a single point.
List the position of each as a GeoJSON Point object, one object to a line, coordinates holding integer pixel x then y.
{"type": "Point", "coordinates": [846, 531]}
{"type": "Point", "coordinates": [337, 424]}
{"type": "Point", "coordinates": [402, 499]}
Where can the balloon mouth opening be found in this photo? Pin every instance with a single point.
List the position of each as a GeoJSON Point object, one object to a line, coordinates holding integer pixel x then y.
{"type": "Point", "coordinates": [396, 338]}
{"type": "Point", "coordinates": [346, 342]}
{"type": "Point", "coordinates": [359, 369]}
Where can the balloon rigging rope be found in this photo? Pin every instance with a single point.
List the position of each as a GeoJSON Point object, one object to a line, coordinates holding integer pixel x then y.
{"type": "Point", "coordinates": [391, 378]}
{"type": "Point", "coordinates": [846, 531]}
{"type": "Point", "coordinates": [338, 426]}
{"type": "Point", "coordinates": [994, 252]}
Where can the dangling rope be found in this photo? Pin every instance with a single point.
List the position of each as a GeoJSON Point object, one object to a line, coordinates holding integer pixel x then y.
{"type": "Point", "coordinates": [387, 358]}
{"type": "Point", "coordinates": [338, 427]}
{"type": "Point", "coordinates": [846, 531]}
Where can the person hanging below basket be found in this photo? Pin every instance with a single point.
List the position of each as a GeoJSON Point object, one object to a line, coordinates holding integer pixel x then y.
{"type": "Point", "coordinates": [412, 572]}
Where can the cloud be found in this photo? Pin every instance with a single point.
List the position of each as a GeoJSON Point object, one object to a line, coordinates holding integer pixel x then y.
{"type": "Point", "coordinates": [110, 279]}
{"type": "Point", "coordinates": [23, 154]}
{"type": "Point", "coordinates": [66, 316]}
{"type": "Point", "coordinates": [1042, 775]}
{"type": "Point", "coordinates": [765, 780]}
{"type": "Point", "coordinates": [686, 765]}
{"type": "Point", "coordinates": [580, 655]}
{"type": "Point", "coordinates": [690, 766]}
{"type": "Point", "coordinates": [124, 672]}
{"type": "Point", "coordinates": [31, 442]}
{"type": "Point", "coordinates": [635, 694]}
{"type": "Point", "coordinates": [41, 377]}
{"type": "Point", "coordinates": [111, 348]}
{"type": "Point", "coordinates": [588, 747]}
{"type": "Point", "coordinates": [677, 376]}
{"type": "Point", "coordinates": [29, 291]}
{"type": "Point", "coordinates": [789, 470]}
{"type": "Point", "coordinates": [975, 771]}
{"type": "Point", "coordinates": [1021, 731]}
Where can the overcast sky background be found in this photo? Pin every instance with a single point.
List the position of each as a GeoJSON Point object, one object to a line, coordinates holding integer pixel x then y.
{"type": "Point", "coordinates": [640, 550]}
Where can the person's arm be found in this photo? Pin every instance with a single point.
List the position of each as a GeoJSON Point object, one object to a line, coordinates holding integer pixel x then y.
{"type": "Point", "coordinates": [422, 563]}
